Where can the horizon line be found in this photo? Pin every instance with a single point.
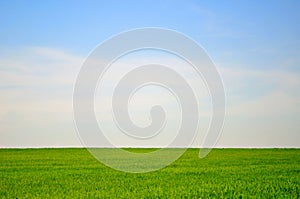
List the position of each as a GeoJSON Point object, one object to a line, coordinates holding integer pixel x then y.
{"type": "Point", "coordinates": [151, 147]}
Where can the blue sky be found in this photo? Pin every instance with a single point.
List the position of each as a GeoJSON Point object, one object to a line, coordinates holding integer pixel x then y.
{"type": "Point", "coordinates": [255, 44]}
{"type": "Point", "coordinates": [78, 27]}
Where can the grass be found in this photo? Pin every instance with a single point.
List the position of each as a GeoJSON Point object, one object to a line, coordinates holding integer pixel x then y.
{"type": "Point", "coordinates": [224, 173]}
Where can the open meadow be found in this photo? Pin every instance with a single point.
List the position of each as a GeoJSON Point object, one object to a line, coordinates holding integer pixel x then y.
{"type": "Point", "coordinates": [224, 173]}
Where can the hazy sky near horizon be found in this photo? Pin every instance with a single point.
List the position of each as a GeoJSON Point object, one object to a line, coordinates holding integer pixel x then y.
{"type": "Point", "coordinates": [254, 44]}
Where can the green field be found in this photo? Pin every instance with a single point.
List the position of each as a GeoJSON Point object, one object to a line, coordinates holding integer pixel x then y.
{"type": "Point", "coordinates": [224, 173]}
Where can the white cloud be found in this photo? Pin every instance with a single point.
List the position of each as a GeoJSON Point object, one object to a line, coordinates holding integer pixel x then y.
{"type": "Point", "coordinates": [36, 86]}
{"type": "Point", "coordinates": [263, 108]}
{"type": "Point", "coordinates": [274, 103]}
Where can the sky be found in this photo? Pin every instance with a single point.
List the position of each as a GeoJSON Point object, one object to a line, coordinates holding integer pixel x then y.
{"type": "Point", "coordinates": [254, 44]}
